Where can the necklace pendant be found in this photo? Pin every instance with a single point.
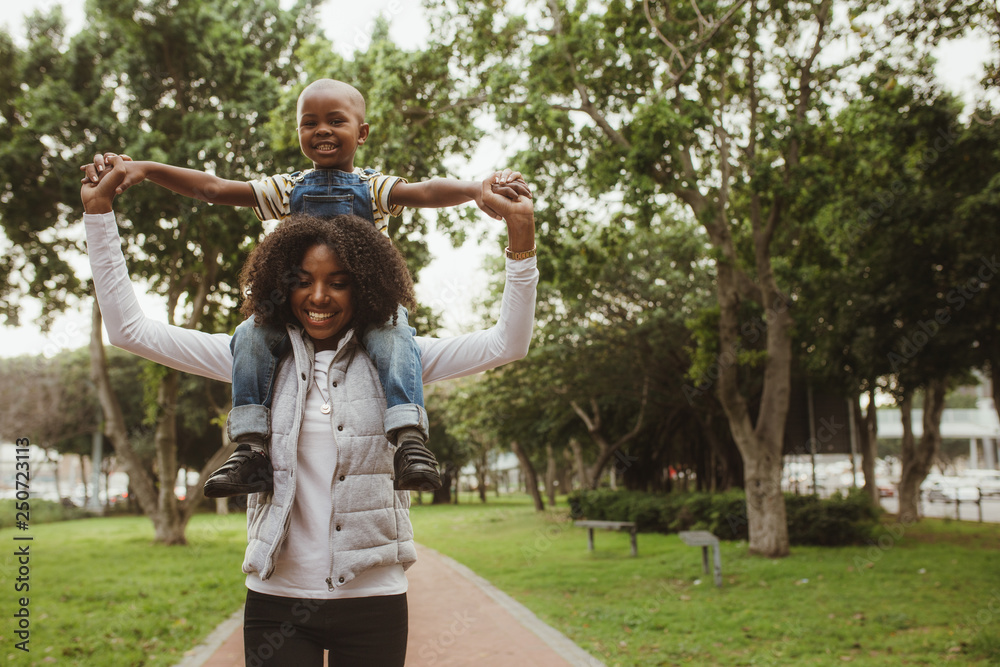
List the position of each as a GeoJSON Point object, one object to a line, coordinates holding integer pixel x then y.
{"type": "Point", "coordinates": [325, 409]}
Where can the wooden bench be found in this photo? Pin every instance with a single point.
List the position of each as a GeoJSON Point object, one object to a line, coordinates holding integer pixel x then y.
{"type": "Point", "coordinates": [705, 539]}
{"type": "Point", "coordinates": [608, 525]}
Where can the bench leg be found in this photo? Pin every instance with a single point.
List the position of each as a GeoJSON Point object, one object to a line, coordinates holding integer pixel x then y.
{"type": "Point", "coordinates": [635, 549]}
{"type": "Point", "coordinates": [590, 539]}
{"type": "Point", "coordinates": [717, 552]}
{"type": "Point", "coordinates": [704, 560]}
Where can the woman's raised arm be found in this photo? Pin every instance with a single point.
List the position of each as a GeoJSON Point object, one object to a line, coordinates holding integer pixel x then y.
{"type": "Point", "coordinates": [508, 339]}
{"type": "Point", "coordinates": [186, 350]}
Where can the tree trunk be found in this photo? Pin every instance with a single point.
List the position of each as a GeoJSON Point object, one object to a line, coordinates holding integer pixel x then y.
{"type": "Point", "coordinates": [712, 477]}
{"type": "Point", "coordinates": [222, 454]}
{"type": "Point", "coordinates": [141, 486]}
{"type": "Point", "coordinates": [917, 457]}
{"type": "Point", "coordinates": [550, 475]}
{"type": "Point", "coordinates": [868, 439]}
{"type": "Point", "coordinates": [530, 476]}
{"type": "Point", "coordinates": [725, 472]}
{"type": "Point", "coordinates": [443, 495]}
{"type": "Point", "coordinates": [83, 479]}
{"type": "Point", "coordinates": [766, 518]}
{"type": "Point", "coordinates": [170, 520]}
{"type": "Point", "coordinates": [995, 385]}
{"type": "Point", "coordinates": [482, 470]}
{"type": "Point", "coordinates": [908, 496]}
{"type": "Point", "coordinates": [760, 441]}
{"type": "Point", "coordinates": [581, 467]}
{"type": "Point", "coordinates": [55, 475]}
{"type": "Point", "coordinates": [760, 444]}
{"type": "Point", "coordinates": [607, 449]}
{"type": "Point", "coordinates": [566, 471]}
{"type": "Point", "coordinates": [161, 506]}
{"type": "Point", "coordinates": [107, 483]}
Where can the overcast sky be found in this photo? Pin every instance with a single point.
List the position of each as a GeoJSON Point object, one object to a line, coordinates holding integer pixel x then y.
{"type": "Point", "coordinates": [454, 279]}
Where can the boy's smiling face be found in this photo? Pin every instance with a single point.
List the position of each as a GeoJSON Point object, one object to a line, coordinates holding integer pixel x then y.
{"type": "Point", "coordinates": [331, 124]}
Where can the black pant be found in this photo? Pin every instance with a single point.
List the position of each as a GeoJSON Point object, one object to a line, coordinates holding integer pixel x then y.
{"type": "Point", "coordinates": [361, 632]}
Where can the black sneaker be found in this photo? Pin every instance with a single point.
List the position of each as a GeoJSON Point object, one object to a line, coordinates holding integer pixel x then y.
{"type": "Point", "coordinates": [246, 471]}
{"type": "Point", "coordinates": [415, 467]}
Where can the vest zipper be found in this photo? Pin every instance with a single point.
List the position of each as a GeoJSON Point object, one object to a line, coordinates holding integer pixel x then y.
{"type": "Point", "coordinates": [333, 482]}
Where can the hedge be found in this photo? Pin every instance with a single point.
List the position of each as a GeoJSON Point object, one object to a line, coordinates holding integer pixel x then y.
{"type": "Point", "coordinates": [834, 521]}
{"type": "Point", "coordinates": [39, 511]}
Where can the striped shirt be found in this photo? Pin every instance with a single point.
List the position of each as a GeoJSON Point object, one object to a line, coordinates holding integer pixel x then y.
{"type": "Point", "coordinates": [273, 193]}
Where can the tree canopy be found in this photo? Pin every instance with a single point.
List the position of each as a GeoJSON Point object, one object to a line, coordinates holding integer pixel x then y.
{"type": "Point", "coordinates": [729, 205]}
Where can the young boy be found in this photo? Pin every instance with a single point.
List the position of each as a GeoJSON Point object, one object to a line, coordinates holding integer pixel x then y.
{"type": "Point", "coordinates": [331, 127]}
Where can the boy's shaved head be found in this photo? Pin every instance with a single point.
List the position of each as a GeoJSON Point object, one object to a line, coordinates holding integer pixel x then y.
{"type": "Point", "coordinates": [348, 92]}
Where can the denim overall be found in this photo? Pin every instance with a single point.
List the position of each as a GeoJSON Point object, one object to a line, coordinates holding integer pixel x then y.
{"type": "Point", "coordinates": [326, 193]}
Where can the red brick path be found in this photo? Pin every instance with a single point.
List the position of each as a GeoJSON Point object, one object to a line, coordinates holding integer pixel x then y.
{"type": "Point", "coordinates": [457, 619]}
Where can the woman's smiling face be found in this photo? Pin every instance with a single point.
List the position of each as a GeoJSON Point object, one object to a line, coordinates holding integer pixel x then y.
{"type": "Point", "coordinates": [323, 299]}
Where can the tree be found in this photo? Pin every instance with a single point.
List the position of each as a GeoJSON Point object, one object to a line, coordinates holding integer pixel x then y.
{"type": "Point", "coordinates": [612, 334]}
{"type": "Point", "coordinates": [906, 295]}
{"type": "Point", "coordinates": [700, 106]}
{"type": "Point", "coordinates": [492, 411]}
{"type": "Point", "coordinates": [458, 430]}
{"type": "Point", "coordinates": [47, 91]}
{"type": "Point", "coordinates": [39, 401]}
{"type": "Point", "coordinates": [610, 339]}
{"type": "Point", "coordinates": [54, 402]}
{"type": "Point", "coordinates": [708, 110]}
{"type": "Point", "coordinates": [944, 329]}
{"type": "Point", "coordinates": [161, 81]}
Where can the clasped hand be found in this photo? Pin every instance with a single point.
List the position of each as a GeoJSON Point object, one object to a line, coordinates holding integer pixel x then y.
{"type": "Point", "coordinates": [98, 192]}
{"type": "Point", "coordinates": [508, 184]}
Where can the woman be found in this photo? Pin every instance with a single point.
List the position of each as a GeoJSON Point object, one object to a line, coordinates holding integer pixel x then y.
{"type": "Point", "coordinates": [327, 550]}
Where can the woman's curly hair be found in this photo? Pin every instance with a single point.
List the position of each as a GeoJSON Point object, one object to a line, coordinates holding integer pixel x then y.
{"type": "Point", "coordinates": [379, 277]}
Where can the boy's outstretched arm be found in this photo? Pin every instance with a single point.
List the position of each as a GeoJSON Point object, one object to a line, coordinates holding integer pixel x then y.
{"type": "Point", "coordinates": [183, 181]}
{"type": "Point", "coordinates": [445, 192]}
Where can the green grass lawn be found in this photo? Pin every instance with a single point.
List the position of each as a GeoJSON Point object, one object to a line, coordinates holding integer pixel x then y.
{"type": "Point", "coordinates": [103, 594]}
{"type": "Point", "coordinates": [926, 594]}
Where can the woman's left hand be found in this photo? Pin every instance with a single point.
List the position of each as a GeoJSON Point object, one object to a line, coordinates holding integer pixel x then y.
{"type": "Point", "coordinates": [507, 183]}
{"type": "Point", "coordinates": [98, 197]}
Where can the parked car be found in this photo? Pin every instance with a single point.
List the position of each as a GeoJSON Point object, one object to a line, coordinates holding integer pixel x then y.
{"type": "Point", "coordinates": [986, 480]}
{"type": "Point", "coordinates": [965, 487]}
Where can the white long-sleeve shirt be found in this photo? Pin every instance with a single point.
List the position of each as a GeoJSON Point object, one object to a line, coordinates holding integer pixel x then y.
{"type": "Point", "coordinates": [209, 355]}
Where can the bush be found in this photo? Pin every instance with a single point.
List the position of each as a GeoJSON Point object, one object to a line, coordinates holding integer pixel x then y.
{"type": "Point", "coordinates": [40, 511]}
{"type": "Point", "coordinates": [834, 521]}
{"type": "Point", "coordinates": [838, 520]}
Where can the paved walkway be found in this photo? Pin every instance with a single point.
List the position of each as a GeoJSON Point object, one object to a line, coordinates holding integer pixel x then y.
{"type": "Point", "coordinates": [456, 619]}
